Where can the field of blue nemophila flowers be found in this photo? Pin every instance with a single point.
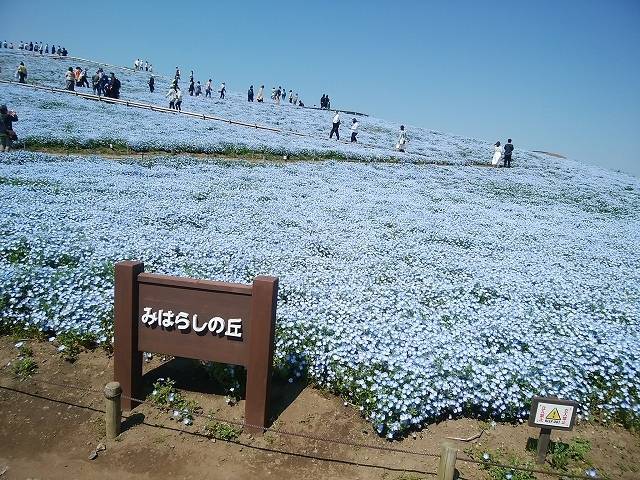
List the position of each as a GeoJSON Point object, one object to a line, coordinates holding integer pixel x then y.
{"type": "Point", "coordinates": [58, 118]}
{"type": "Point", "coordinates": [416, 292]}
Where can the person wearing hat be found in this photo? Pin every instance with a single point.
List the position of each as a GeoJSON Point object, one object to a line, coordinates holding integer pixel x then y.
{"type": "Point", "coordinates": [7, 117]}
{"type": "Point", "coordinates": [354, 131]}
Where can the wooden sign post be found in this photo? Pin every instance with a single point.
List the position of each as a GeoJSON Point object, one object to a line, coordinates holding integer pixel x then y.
{"type": "Point", "coordinates": [551, 413]}
{"type": "Point", "coordinates": [212, 321]}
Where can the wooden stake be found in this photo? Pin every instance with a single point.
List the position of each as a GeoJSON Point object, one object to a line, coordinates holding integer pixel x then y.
{"type": "Point", "coordinates": [113, 412]}
{"type": "Point", "coordinates": [447, 466]}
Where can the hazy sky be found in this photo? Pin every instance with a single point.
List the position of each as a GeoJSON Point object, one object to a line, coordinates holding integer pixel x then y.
{"type": "Point", "coordinates": [560, 75]}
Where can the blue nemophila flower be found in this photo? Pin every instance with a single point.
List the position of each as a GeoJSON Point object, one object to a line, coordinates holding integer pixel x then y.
{"type": "Point", "coordinates": [418, 292]}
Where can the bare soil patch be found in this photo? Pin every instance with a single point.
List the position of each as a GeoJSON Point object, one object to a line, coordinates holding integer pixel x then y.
{"type": "Point", "coordinates": [48, 432]}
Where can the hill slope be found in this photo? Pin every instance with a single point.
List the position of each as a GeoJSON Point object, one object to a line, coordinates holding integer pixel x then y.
{"type": "Point", "coordinates": [414, 291]}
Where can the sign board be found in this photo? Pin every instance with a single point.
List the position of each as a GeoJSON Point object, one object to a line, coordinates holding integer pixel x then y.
{"type": "Point", "coordinates": [200, 319]}
{"type": "Point", "coordinates": [552, 413]}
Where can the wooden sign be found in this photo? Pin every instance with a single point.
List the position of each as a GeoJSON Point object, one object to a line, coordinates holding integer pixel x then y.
{"type": "Point", "coordinates": [200, 319]}
{"type": "Point", "coordinates": [551, 413]}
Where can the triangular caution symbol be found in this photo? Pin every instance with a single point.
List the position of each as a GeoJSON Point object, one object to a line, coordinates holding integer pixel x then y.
{"type": "Point", "coordinates": [554, 415]}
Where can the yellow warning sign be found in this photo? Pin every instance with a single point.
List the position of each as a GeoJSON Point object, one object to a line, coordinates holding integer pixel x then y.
{"type": "Point", "coordinates": [553, 415]}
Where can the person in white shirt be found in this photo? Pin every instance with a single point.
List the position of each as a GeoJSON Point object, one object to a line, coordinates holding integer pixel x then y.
{"type": "Point", "coordinates": [497, 155]}
{"type": "Point", "coordinates": [178, 99]}
{"type": "Point", "coordinates": [336, 126]}
{"type": "Point", "coordinates": [295, 99]}
{"type": "Point", "coordinates": [171, 95]}
{"type": "Point", "coordinates": [208, 89]}
{"type": "Point", "coordinates": [223, 90]}
{"type": "Point", "coordinates": [260, 96]}
{"type": "Point", "coordinates": [402, 140]}
{"type": "Point", "coordinates": [354, 131]}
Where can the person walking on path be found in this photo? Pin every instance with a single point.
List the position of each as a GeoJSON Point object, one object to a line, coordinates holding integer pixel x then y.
{"type": "Point", "coordinates": [260, 96]}
{"type": "Point", "coordinates": [354, 131]}
{"type": "Point", "coordinates": [278, 95]}
{"type": "Point", "coordinates": [70, 80]}
{"type": "Point", "coordinates": [21, 73]}
{"type": "Point", "coordinates": [113, 89]}
{"type": "Point", "coordinates": [84, 82]}
{"type": "Point", "coordinates": [192, 87]}
{"type": "Point", "coordinates": [152, 84]}
{"type": "Point", "coordinates": [250, 94]}
{"type": "Point", "coordinates": [508, 151]}
{"type": "Point", "coordinates": [497, 154]}
{"type": "Point", "coordinates": [171, 95]}
{"type": "Point", "coordinates": [198, 89]}
{"type": "Point", "coordinates": [208, 89]}
{"type": "Point", "coordinates": [178, 100]}
{"type": "Point", "coordinates": [336, 126]}
{"type": "Point", "coordinates": [7, 117]}
{"type": "Point", "coordinates": [95, 82]}
{"type": "Point", "coordinates": [223, 90]}
{"type": "Point", "coordinates": [402, 140]}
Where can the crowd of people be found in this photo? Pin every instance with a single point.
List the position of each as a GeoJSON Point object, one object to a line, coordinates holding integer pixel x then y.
{"type": "Point", "coordinates": [140, 66]}
{"type": "Point", "coordinates": [101, 83]}
{"type": "Point", "coordinates": [109, 86]}
{"type": "Point", "coordinates": [38, 47]}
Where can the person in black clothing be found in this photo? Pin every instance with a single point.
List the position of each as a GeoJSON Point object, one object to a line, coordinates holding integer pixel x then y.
{"type": "Point", "coordinates": [508, 151]}
{"type": "Point", "coordinates": [7, 134]}
{"type": "Point", "coordinates": [322, 101]}
{"type": "Point", "coordinates": [152, 83]}
{"type": "Point", "coordinates": [250, 94]}
{"type": "Point", "coordinates": [113, 89]}
{"type": "Point", "coordinates": [191, 87]}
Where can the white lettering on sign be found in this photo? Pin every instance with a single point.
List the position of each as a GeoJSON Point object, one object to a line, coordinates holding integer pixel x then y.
{"type": "Point", "coordinates": [554, 415]}
{"type": "Point", "coordinates": [183, 321]}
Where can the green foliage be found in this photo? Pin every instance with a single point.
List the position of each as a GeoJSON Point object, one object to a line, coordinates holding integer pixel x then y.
{"type": "Point", "coordinates": [230, 377]}
{"type": "Point", "coordinates": [25, 350]}
{"type": "Point", "coordinates": [18, 330]}
{"type": "Point", "coordinates": [74, 343]}
{"type": "Point", "coordinates": [503, 473]}
{"type": "Point", "coordinates": [166, 396]}
{"type": "Point", "coordinates": [16, 253]}
{"type": "Point", "coordinates": [24, 367]}
{"type": "Point", "coordinates": [563, 453]}
{"type": "Point", "coordinates": [222, 431]}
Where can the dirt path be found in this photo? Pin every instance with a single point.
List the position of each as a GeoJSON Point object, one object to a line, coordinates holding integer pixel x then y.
{"type": "Point", "coordinates": [48, 432]}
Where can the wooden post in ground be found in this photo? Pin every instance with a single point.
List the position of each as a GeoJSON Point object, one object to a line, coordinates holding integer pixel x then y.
{"type": "Point", "coordinates": [543, 445]}
{"type": "Point", "coordinates": [113, 411]}
{"type": "Point", "coordinates": [447, 465]}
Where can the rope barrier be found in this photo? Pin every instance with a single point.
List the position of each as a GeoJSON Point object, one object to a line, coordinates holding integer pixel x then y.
{"type": "Point", "coordinates": [67, 57]}
{"type": "Point", "coordinates": [203, 116]}
{"type": "Point", "coordinates": [320, 438]}
{"type": "Point", "coordinates": [157, 75]}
